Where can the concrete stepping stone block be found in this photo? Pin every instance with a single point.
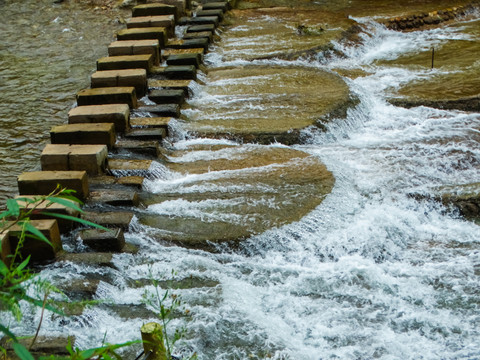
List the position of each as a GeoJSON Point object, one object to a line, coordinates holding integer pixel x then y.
{"type": "Point", "coordinates": [153, 122]}
{"type": "Point", "coordinates": [108, 95]}
{"type": "Point", "coordinates": [112, 240]}
{"type": "Point", "coordinates": [222, 5]}
{"type": "Point", "coordinates": [154, 9]}
{"type": "Point", "coordinates": [44, 182]}
{"type": "Point", "coordinates": [136, 47]}
{"type": "Point", "coordinates": [125, 62]}
{"type": "Point", "coordinates": [201, 43]}
{"type": "Point", "coordinates": [118, 114]}
{"type": "Point", "coordinates": [184, 85]}
{"type": "Point", "coordinates": [105, 180]}
{"type": "Point", "coordinates": [94, 259]}
{"type": "Point", "coordinates": [194, 59]}
{"type": "Point", "coordinates": [129, 77]}
{"type": "Point", "coordinates": [38, 250]}
{"type": "Point", "coordinates": [90, 158]}
{"type": "Point", "coordinates": [157, 134]}
{"type": "Point", "coordinates": [176, 72]}
{"type": "Point", "coordinates": [165, 21]}
{"type": "Point", "coordinates": [114, 197]}
{"type": "Point", "coordinates": [121, 219]}
{"type": "Point", "coordinates": [210, 12]}
{"type": "Point", "coordinates": [63, 224]}
{"type": "Point", "coordinates": [150, 33]}
{"type": "Point", "coordinates": [150, 148]}
{"type": "Point", "coordinates": [199, 35]}
{"type": "Point", "coordinates": [84, 134]}
{"type": "Point", "coordinates": [199, 20]}
{"type": "Point", "coordinates": [167, 96]}
{"type": "Point", "coordinates": [126, 167]}
{"type": "Point", "coordinates": [163, 110]}
{"type": "Point", "coordinates": [200, 28]}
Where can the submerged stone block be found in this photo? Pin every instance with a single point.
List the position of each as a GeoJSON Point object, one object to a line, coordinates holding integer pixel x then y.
{"type": "Point", "coordinates": [200, 20]}
{"type": "Point", "coordinates": [136, 47]}
{"type": "Point", "coordinates": [84, 134]}
{"type": "Point", "coordinates": [38, 250]}
{"type": "Point", "coordinates": [142, 147]}
{"type": "Point", "coordinates": [114, 197]}
{"type": "Point", "coordinates": [103, 240]}
{"type": "Point", "coordinates": [211, 13]}
{"type": "Point", "coordinates": [157, 134]}
{"type": "Point", "coordinates": [167, 96]}
{"type": "Point", "coordinates": [44, 182]}
{"type": "Point", "coordinates": [194, 59]}
{"type": "Point", "coordinates": [201, 43]}
{"type": "Point", "coordinates": [130, 77]}
{"type": "Point", "coordinates": [120, 219]}
{"type": "Point", "coordinates": [150, 33]}
{"type": "Point", "coordinates": [118, 114]}
{"type": "Point", "coordinates": [109, 95]}
{"type": "Point", "coordinates": [152, 122]}
{"type": "Point", "coordinates": [222, 5]}
{"type": "Point", "coordinates": [126, 62]}
{"type": "Point", "coordinates": [154, 9]}
{"type": "Point", "coordinates": [163, 110]}
{"type": "Point", "coordinates": [183, 85]}
{"type": "Point", "coordinates": [199, 35]}
{"type": "Point", "coordinates": [165, 21]}
{"type": "Point", "coordinates": [176, 72]}
{"type": "Point", "coordinates": [200, 28]}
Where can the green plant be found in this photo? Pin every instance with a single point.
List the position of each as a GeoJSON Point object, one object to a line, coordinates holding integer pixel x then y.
{"type": "Point", "coordinates": [165, 305]}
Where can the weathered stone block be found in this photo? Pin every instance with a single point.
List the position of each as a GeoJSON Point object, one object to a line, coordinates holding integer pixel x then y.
{"type": "Point", "coordinates": [130, 77]}
{"type": "Point", "coordinates": [201, 43]}
{"type": "Point", "coordinates": [38, 250]}
{"type": "Point", "coordinates": [117, 114]}
{"type": "Point", "coordinates": [102, 240]}
{"type": "Point", "coordinates": [199, 20]}
{"type": "Point", "coordinates": [44, 182]}
{"type": "Point", "coordinates": [150, 33]}
{"type": "Point", "coordinates": [114, 197]}
{"type": "Point", "coordinates": [152, 122]}
{"type": "Point", "coordinates": [120, 219]}
{"type": "Point", "coordinates": [223, 5]}
{"type": "Point", "coordinates": [90, 158]}
{"type": "Point", "coordinates": [184, 59]}
{"type": "Point", "coordinates": [157, 134]}
{"type": "Point", "coordinates": [183, 85]}
{"type": "Point", "coordinates": [109, 95]}
{"type": "Point", "coordinates": [141, 147]}
{"type": "Point", "coordinates": [171, 110]}
{"type": "Point", "coordinates": [123, 167]}
{"type": "Point", "coordinates": [136, 47]}
{"type": "Point", "coordinates": [176, 72]}
{"type": "Point", "coordinates": [167, 96]}
{"type": "Point", "coordinates": [211, 12]}
{"type": "Point", "coordinates": [201, 28]}
{"type": "Point", "coordinates": [165, 21]}
{"type": "Point", "coordinates": [199, 35]}
{"type": "Point", "coordinates": [125, 62]}
{"type": "Point", "coordinates": [84, 134]}
{"type": "Point", "coordinates": [154, 9]}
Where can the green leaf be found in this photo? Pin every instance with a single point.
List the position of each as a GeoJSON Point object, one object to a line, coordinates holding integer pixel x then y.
{"type": "Point", "coordinates": [37, 233]}
{"type": "Point", "coordinates": [7, 332]}
{"type": "Point", "coordinates": [5, 214]}
{"type": "Point", "coordinates": [62, 201]}
{"type": "Point", "coordinates": [87, 354]}
{"type": "Point", "coordinates": [22, 352]}
{"type": "Point", "coordinates": [23, 264]}
{"type": "Point", "coordinates": [79, 220]}
{"type": "Point", "coordinates": [13, 207]}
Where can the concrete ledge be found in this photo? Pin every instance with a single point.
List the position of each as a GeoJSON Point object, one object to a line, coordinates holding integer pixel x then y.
{"type": "Point", "coordinates": [152, 122]}
{"type": "Point", "coordinates": [109, 95]}
{"type": "Point", "coordinates": [90, 158]}
{"type": "Point", "coordinates": [210, 12]}
{"type": "Point", "coordinates": [126, 62]}
{"type": "Point", "coordinates": [39, 250]}
{"type": "Point", "coordinates": [120, 219]}
{"type": "Point", "coordinates": [150, 148]}
{"type": "Point", "coordinates": [150, 33]}
{"type": "Point", "coordinates": [166, 21]}
{"type": "Point", "coordinates": [106, 180]}
{"type": "Point", "coordinates": [84, 134]}
{"type": "Point", "coordinates": [157, 134]}
{"type": "Point", "coordinates": [44, 182]}
{"type": "Point", "coordinates": [102, 240]}
{"type": "Point", "coordinates": [176, 72]}
{"type": "Point", "coordinates": [131, 77]}
{"type": "Point", "coordinates": [136, 47]}
{"type": "Point", "coordinates": [154, 9]}
{"type": "Point", "coordinates": [194, 59]}
{"type": "Point", "coordinates": [199, 20]}
{"type": "Point", "coordinates": [183, 85]}
{"type": "Point", "coordinates": [200, 28]}
{"type": "Point", "coordinates": [167, 96]}
{"type": "Point", "coordinates": [117, 114]}
{"type": "Point", "coordinates": [163, 110]}
{"type": "Point", "coordinates": [201, 43]}
{"type": "Point", "coordinates": [222, 5]}
{"type": "Point", "coordinates": [199, 35]}
{"type": "Point", "coordinates": [114, 197]}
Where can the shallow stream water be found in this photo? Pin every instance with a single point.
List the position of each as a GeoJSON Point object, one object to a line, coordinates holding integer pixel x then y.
{"type": "Point", "coordinates": [371, 273]}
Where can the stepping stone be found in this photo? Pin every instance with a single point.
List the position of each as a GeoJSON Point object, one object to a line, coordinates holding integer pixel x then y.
{"type": "Point", "coordinates": [157, 134]}
{"type": "Point", "coordinates": [126, 62]}
{"type": "Point", "coordinates": [216, 5]}
{"type": "Point", "coordinates": [102, 240]}
{"type": "Point", "coordinates": [184, 85]}
{"type": "Point", "coordinates": [166, 53]}
{"type": "Point", "coordinates": [166, 96]}
{"type": "Point", "coordinates": [90, 158]}
{"type": "Point", "coordinates": [171, 110]}
{"type": "Point", "coordinates": [109, 95]}
{"type": "Point", "coordinates": [199, 35]}
{"type": "Point", "coordinates": [102, 181]}
{"type": "Point", "coordinates": [136, 47]}
{"type": "Point", "coordinates": [153, 122]}
{"type": "Point", "coordinates": [200, 28]}
{"type": "Point", "coordinates": [80, 288]}
{"type": "Point", "coordinates": [199, 20]}
{"type": "Point", "coordinates": [184, 59]}
{"type": "Point", "coordinates": [124, 167]}
{"type": "Point", "coordinates": [84, 134]}
{"type": "Point", "coordinates": [149, 148]}
{"type": "Point", "coordinates": [151, 33]}
{"type": "Point", "coordinates": [93, 259]}
{"type": "Point", "coordinates": [119, 219]}
{"type": "Point", "coordinates": [63, 224]}
{"type": "Point", "coordinates": [131, 77]}
{"type": "Point", "coordinates": [210, 12]}
{"type": "Point", "coordinates": [118, 114]}
{"type": "Point", "coordinates": [189, 44]}
{"type": "Point", "coordinates": [134, 181]}
{"type": "Point", "coordinates": [38, 250]}
{"type": "Point", "coordinates": [154, 9]}
{"type": "Point", "coordinates": [114, 197]}
{"type": "Point", "coordinates": [44, 182]}
{"type": "Point", "coordinates": [166, 21]}
{"type": "Point", "coordinates": [176, 72]}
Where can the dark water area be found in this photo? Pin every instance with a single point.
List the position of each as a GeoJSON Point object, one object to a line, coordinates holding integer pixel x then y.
{"type": "Point", "coordinates": [47, 54]}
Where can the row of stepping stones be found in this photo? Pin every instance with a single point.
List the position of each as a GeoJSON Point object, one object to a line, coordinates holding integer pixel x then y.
{"type": "Point", "coordinates": [112, 137]}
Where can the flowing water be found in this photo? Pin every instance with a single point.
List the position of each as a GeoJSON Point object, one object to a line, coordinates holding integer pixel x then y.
{"type": "Point", "coordinates": [372, 272]}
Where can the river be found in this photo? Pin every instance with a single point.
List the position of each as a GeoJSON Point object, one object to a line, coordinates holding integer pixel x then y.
{"type": "Point", "coordinates": [372, 272]}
